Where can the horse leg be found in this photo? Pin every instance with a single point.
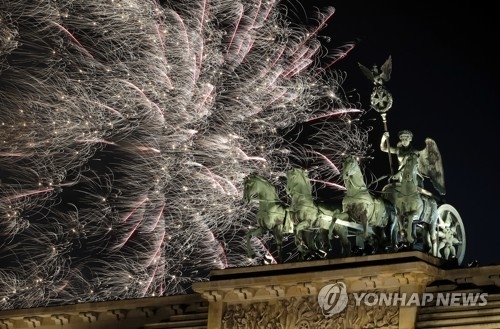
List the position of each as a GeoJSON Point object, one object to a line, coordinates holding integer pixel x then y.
{"type": "Point", "coordinates": [393, 232]}
{"type": "Point", "coordinates": [364, 237]}
{"type": "Point", "coordinates": [278, 236]}
{"type": "Point", "coordinates": [310, 243]}
{"type": "Point", "coordinates": [409, 229]}
{"type": "Point", "coordinates": [250, 235]}
{"type": "Point", "coordinates": [432, 232]}
{"type": "Point", "coordinates": [309, 239]}
{"type": "Point", "coordinates": [320, 240]}
{"type": "Point", "coordinates": [333, 226]}
{"type": "Point", "coordinates": [380, 239]}
{"type": "Point", "coordinates": [299, 241]}
{"type": "Point", "coordinates": [342, 232]}
{"type": "Point", "coordinates": [364, 222]}
{"type": "Point", "coordinates": [404, 232]}
{"type": "Point", "coordinates": [401, 227]}
{"type": "Point", "coordinates": [426, 238]}
{"type": "Point", "coordinates": [323, 246]}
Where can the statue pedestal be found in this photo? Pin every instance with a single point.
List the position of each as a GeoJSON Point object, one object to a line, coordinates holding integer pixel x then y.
{"type": "Point", "coordinates": [383, 291]}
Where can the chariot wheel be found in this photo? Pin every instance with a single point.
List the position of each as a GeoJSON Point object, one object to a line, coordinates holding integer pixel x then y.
{"type": "Point", "coordinates": [451, 234]}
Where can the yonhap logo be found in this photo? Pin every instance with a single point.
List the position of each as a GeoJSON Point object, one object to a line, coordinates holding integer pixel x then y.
{"type": "Point", "coordinates": [332, 298]}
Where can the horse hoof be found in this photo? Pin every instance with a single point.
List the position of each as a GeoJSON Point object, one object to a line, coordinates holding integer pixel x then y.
{"type": "Point", "coordinates": [402, 246]}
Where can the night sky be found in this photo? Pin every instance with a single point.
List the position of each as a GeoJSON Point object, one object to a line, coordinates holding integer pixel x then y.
{"type": "Point", "coordinates": [445, 86]}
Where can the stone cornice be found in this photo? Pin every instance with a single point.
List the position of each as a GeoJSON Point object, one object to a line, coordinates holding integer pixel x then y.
{"type": "Point", "coordinates": [90, 313]}
{"type": "Point", "coordinates": [288, 280]}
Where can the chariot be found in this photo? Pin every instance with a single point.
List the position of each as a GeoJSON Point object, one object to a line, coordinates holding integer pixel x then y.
{"type": "Point", "coordinates": [388, 223]}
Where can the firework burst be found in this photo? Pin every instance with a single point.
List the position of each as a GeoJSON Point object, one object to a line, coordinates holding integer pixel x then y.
{"type": "Point", "coordinates": [127, 127]}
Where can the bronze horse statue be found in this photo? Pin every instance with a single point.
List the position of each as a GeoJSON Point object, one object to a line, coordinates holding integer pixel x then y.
{"type": "Point", "coordinates": [360, 206]}
{"type": "Point", "coordinates": [272, 214]}
{"type": "Point", "coordinates": [308, 215]}
{"type": "Point", "coordinates": [413, 206]}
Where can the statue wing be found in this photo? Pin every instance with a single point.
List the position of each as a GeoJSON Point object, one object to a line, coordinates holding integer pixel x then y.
{"type": "Point", "coordinates": [366, 71]}
{"type": "Point", "coordinates": [431, 165]}
{"type": "Point", "coordinates": [386, 69]}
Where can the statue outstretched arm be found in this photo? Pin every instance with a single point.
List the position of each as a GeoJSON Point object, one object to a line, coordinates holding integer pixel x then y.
{"type": "Point", "coordinates": [385, 146]}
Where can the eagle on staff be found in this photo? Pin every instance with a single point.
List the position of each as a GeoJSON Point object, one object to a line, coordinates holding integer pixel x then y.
{"type": "Point", "coordinates": [376, 76]}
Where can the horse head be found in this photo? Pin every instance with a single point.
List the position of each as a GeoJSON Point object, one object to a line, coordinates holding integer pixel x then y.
{"type": "Point", "coordinates": [350, 165]}
{"type": "Point", "coordinates": [352, 174]}
{"type": "Point", "coordinates": [298, 182]}
{"type": "Point", "coordinates": [255, 185]}
{"type": "Point", "coordinates": [248, 187]}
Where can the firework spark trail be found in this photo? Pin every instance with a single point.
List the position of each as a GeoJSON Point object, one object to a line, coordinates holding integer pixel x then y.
{"type": "Point", "coordinates": [154, 113]}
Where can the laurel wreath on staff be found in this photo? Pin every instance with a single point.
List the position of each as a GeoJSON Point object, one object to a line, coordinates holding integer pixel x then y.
{"type": "Point", "coordinates": [380, 99]}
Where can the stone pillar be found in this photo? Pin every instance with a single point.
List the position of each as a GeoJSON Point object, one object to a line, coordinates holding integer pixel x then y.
{"type": "Point", "coordinates": [411, 285]}
{"type": "Point", "coordinates": [215, 309]}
